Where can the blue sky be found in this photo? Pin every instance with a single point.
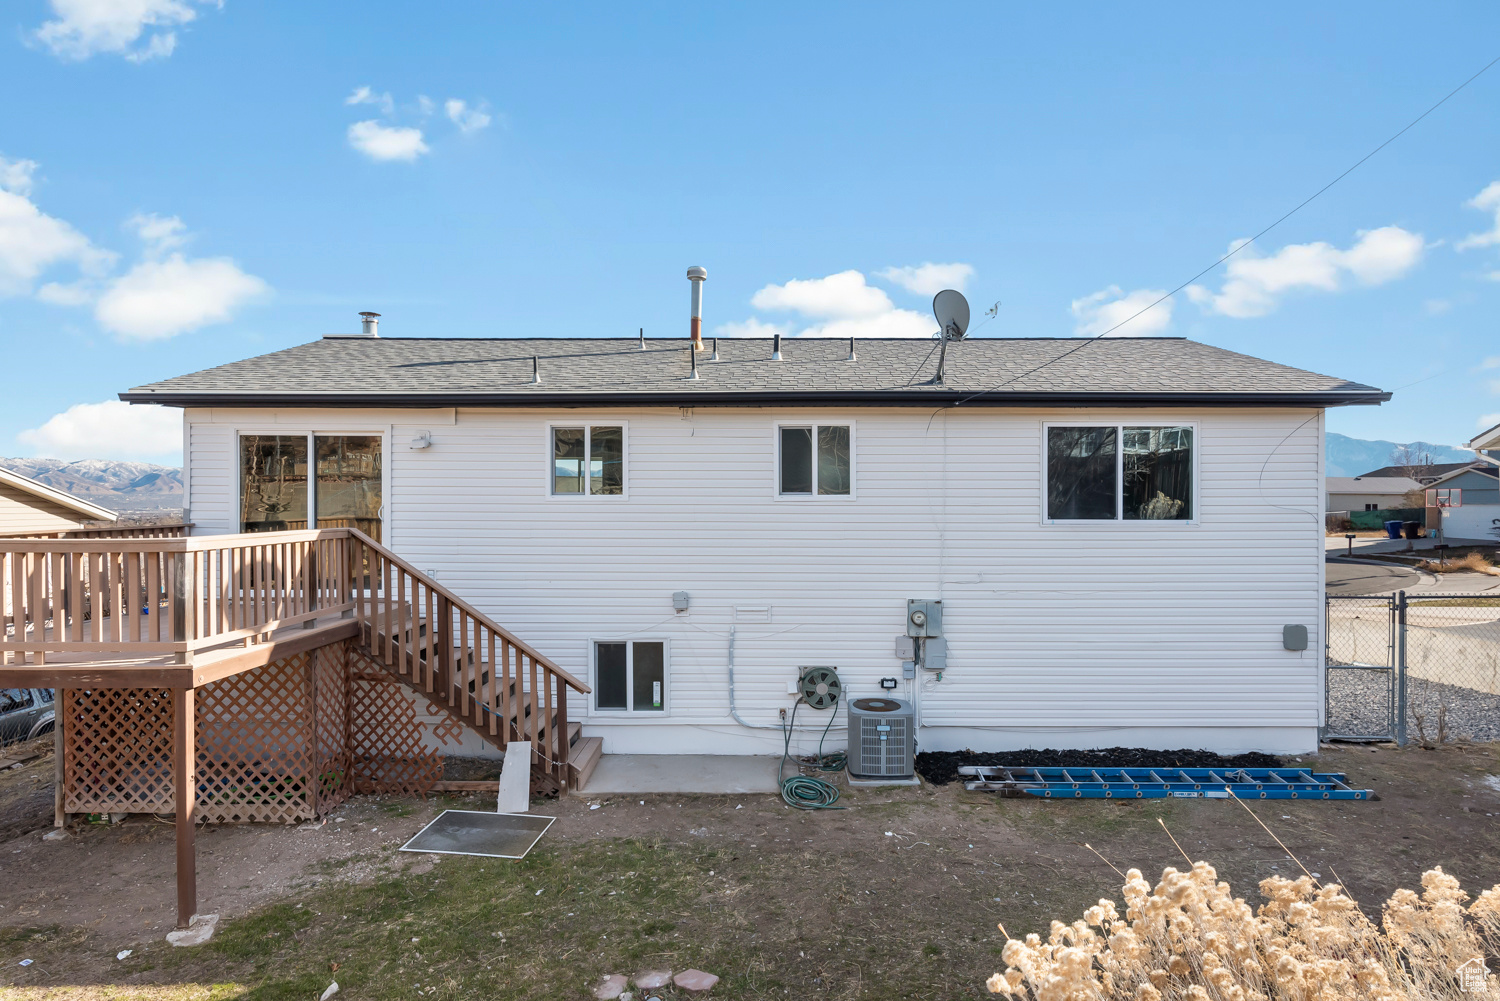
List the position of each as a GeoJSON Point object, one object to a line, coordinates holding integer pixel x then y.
{"type": "Point", "coordinates": [194, 183]}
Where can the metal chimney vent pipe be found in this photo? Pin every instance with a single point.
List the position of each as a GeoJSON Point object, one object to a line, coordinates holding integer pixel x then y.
{"type": "Point", "coordinates": [643, 338]}
{"type": "Point", "coordinates": [370, 324]}
{"type": "Point", "coordinates": [536, 372]}
{"type": "Point", "coordinates": [852, 356]}
{"type": "Point", "coordinates": [693, 361]}
{"type": "Point", "coordinates": [697, 276]}
{"type": "Point", "coordinates": [776, 347]}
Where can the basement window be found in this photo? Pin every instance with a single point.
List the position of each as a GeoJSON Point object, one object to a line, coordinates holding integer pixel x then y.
{"type": "Point", "coordinates": [588, 460]}
{"type": "Point", "coordinates": [1119, 472]}
{"type": "Point", "coordinates": [630, 676]}
{"type": "Point", "coordinates": [815, 459]}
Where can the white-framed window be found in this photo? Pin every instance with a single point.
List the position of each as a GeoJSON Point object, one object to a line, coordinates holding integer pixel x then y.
{"type": "Point", "coordinates": [1113, 472]}
{"type": "Point", "coordinates": [630, 676]}
{"type": "Point", "coordinates": [814, 460]}
{"type": "Point", "coordinates": [586, 460]}
{"type": "Point", "coordinates": [311, 479]}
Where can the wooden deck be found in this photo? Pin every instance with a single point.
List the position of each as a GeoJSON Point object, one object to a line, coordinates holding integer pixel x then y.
{"type": "Point", "coordinates": [179, 614]}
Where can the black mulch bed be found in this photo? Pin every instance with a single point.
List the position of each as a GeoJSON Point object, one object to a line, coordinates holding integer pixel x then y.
{"type": "Point", "coordinates": [941, 767]}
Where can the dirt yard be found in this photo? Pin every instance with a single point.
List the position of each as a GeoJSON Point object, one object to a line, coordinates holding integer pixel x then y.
{"type": "Point", "coordinates": [896, 897]}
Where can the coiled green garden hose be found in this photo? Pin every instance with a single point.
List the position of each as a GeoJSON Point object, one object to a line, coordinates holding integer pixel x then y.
{"type": "Point", "coordinates": [803, 791]}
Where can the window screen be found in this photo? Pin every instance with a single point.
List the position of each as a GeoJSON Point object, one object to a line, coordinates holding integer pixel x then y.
{"type": "Point", "coordinates": [1081, 473]}
{"type": "Point", "coordinates": [796, 461]}
{"type": "Point", "coordinates": [650, 681]}
{"type": "Point", "coordinates": [833, 460]}
{"type": "Point", "coordinates": [1158, 474]}
{"type": "Point", "coordinates": [568, 446]}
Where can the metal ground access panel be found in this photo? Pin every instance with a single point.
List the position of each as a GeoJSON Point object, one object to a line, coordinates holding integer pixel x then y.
{"type": "Point", "coordinates": [1161, 783]}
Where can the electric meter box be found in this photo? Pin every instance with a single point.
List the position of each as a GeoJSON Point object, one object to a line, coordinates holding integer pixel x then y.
{"type": "Point", "coordinates": [924, 618]}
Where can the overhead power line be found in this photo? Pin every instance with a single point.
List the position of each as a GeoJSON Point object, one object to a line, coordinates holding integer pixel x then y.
{"type": "Point", "coordinates": [1243, 244]}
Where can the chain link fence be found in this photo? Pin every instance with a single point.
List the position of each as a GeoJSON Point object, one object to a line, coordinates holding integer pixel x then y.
{"type": "Point", "coordinates": [1423, 668]}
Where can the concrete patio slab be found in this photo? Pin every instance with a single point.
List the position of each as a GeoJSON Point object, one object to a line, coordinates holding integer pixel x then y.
{"type": "Point", "coordinates": [683, 773]}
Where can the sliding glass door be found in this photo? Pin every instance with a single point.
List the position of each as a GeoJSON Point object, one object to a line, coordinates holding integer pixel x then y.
{"type": "Point", "coordinates": [344, 490]}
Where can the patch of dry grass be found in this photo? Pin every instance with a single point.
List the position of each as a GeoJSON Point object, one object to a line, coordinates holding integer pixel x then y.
{"type": "Point", "coordinates": [1472, 561]}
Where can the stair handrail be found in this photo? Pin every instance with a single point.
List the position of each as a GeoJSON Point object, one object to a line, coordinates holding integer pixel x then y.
{"type": "Point", "coordinates": [476, 614]}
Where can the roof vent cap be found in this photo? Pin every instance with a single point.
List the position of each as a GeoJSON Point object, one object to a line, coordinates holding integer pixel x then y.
{"type": "Point", "coordinates": [370, 324]}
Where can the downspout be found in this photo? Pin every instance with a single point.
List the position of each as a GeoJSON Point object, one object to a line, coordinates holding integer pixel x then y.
{"type": "Point", "coordinates": [732, 710]}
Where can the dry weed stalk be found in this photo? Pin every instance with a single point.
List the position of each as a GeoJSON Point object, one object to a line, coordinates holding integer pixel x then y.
{"type": "Point", "coordinates": [1190, 939]}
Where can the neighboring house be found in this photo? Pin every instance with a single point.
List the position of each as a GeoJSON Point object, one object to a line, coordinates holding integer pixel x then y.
{"type": "Point", "coordinates": [1422, 474]}
{"type": "Point", "coordinates": [1118, 529]}
{"type": "Point", "coordinates": [29, 508]}
{"type": "Point", "coordinates": [1368, 492]}
{"type": "Point", "coordinates": [1468, 500]}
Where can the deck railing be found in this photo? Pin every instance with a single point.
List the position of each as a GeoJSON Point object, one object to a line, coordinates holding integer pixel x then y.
{"type": "Point", "coordinates": [446, 647]}
{"type": "Point", "coordinates": [121, 600]}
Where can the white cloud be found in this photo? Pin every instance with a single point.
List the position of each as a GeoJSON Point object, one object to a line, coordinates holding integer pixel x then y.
{"type": "Point", "coordinates": [841, 295]}
{"type": "Point", "coordinates": [364, 95]}
{"type": "Point", "coordinates": [1253, 284]}
{"type": "Point", "coordinates": [31, 241]}
{"type": "Point", "coordinates": [158, 299]}
{"type": "Point", "coordinates": [1493, 361]}
{"type": "Point", "coordinates": [386, 142]}
{"type": "Point", "coordinates": [109, 430]}
{"type": "Point", "coordinates": [425, 105]}
{"type": "Point", "coordinates": [929, 278]}
{"type": "Point", "coordinates": [1487, 200]}
{"type": "Point", "coordinates": [1487, 421]}
{"type": "Point", "coordinates": [158, 233]}
{"type": "Point", "coordinates": [1112, 306]}
{"type": "Point", "coordinates": [83, 28]}
{"type": "Point", "coordinates": [838, 305]}
{"type": "Point", "coordinates": [466, 118]}
{"type": "Point", "coordinates": [16, 176]}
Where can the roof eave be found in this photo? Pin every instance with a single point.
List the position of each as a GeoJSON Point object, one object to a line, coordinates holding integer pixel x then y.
{"type": "Point", "coordinates": [705, 398]}
{"type": "Point", "coordinates": [59, 497]}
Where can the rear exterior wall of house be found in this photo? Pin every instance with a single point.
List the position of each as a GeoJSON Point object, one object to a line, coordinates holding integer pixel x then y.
{"type": "Point", "coordinates": [1133, 633]}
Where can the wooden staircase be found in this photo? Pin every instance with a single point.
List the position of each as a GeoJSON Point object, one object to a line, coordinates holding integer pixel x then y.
{"type": "Point", "coordinates": [485, 678]}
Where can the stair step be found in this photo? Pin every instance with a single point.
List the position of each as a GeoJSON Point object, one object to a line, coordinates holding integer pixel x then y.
{"type": "Point", "coordinates": [583, 759]}
{"type": "Point", "coordinates": [575, 729]}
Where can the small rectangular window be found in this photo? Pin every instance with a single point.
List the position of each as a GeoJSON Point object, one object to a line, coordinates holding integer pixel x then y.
{"type": "Point", "coordinates": [1158, 474]}
{"type": "Point", "coordinates": [833, 460]}
{"type": "Point", "coordinates": [612, 669]}
{"type": "Point", "coordinates": [630, 677]}
{"type": "Point", "coordinates": [815, 460]}
{"type": "Point", "coordinates": [588, 460]}
{"type": "Point", "coordinates": [796, 460]}
{"type": "Point", "coordinates": [1081, 473]}
{"type": "Point", "coordinates": [1120, 472]}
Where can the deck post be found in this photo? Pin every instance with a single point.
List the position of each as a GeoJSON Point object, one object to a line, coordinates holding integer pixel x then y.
{"type": "Point", "coordinates": [186, 784]}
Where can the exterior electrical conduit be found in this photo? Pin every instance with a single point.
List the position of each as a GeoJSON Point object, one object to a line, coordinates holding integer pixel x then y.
{"type": "Point", "coordinates": [732, 710]}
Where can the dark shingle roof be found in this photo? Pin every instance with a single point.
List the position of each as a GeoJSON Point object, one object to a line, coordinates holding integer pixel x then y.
{"type": "Point", "coordinates": [349, 371]}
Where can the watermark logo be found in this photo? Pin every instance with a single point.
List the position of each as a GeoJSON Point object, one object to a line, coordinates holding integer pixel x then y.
{"type": "Point", "coordinates": [1473, 976]}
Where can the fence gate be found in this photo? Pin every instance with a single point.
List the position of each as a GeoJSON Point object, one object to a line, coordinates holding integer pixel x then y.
{"type": "Point", "coordinates": [1363, 683]}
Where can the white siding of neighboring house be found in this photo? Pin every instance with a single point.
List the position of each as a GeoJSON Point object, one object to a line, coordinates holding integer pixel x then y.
{"type": "Point", "coordinates": [24, 513]}
{"type": "Point", "coordinates": [1058, 635]}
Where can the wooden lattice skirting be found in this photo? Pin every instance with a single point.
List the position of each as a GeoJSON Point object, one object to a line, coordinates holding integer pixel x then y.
{"type": "Point", "coordinates": [282, 743]}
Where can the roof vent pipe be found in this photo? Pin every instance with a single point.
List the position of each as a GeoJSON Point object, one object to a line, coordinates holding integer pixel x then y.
{"type": "Point", "coordinates": [852, 356]}
{"type": "Point", "coordinates": [370, 322]}
{"type": "Point", "coordinates": [536, 372]}
{"type": "Point", "coordinates": [716, 350]}
{"type": "Point", "coordinates": [643, 338]}
{"type": "Point", "coordinates": [697, 276]}
{"type": "Point", "coordinates": [693, 361]}
{"type": "Point", "coordinates": [776, 347]}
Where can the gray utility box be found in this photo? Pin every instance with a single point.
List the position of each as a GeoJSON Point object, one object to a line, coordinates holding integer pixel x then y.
{"type": "Point", "coordinates": [924, 618]}
{"type": "Point", "coordinates": [882, 738]}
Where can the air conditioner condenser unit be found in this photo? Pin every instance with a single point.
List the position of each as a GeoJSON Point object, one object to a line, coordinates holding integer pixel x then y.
{"type": "Point", "coordinates": [882, 738]}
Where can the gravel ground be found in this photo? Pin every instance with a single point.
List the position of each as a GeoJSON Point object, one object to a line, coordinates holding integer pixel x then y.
{"type": "Point", "coordinates": [1358, 704]}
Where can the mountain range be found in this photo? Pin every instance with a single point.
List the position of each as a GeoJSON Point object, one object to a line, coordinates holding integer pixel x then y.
{"type": "Point", "coordinates": [125, 487]}
{"type": "Point", "coordinates": [1347, 456]}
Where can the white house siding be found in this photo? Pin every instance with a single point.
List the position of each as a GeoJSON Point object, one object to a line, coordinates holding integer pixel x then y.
{"type": "Point", "coordinates": [1058, 635]}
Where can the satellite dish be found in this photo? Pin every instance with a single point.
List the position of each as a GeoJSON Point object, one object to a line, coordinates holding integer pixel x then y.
{"type": "Point", "coordinates": [952, 312]}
